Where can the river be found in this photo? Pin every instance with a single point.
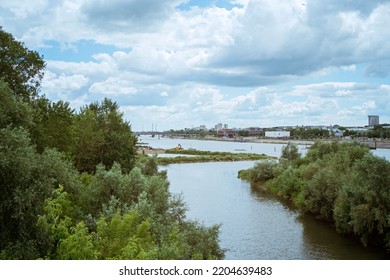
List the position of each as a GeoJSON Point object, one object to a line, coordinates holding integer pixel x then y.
{"type": "Point", "coordinates": [254, 224]}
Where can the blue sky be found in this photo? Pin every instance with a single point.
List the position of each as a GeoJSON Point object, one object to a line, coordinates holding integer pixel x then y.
{"type": "Point", "coordinates": [184, 63]}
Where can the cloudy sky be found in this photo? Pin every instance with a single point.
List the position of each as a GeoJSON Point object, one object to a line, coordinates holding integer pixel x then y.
{"type": "Point", "coordinates": [183, 63]}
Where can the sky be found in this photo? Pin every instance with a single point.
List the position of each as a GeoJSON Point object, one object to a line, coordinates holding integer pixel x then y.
{"type": "Point", "coordinates": [176, 64]}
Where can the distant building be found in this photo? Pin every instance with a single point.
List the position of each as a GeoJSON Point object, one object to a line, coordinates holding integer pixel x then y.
{"type": "Point", "coordinates": [226, 133]}
{"type": "Point", "coordinates": [277, 134]}
{"type": "Point", "coordinates": [218, 126]}
{"type": "Point", "coordinates": [336, 132]}
{"type": "Point", "coordinates": [357, 129]}
{"type": "Point", "coordinates": [255, 131]}
{"type": "Point", "coordinates": [200, 128]}
{"type": "Point", "coordinates": [225, 126]}
{"type": "Point", "coordinates": [373, 120]}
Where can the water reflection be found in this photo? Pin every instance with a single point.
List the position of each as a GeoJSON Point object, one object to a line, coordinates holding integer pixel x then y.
{"type": "Point", "coordinates": [323, 242]}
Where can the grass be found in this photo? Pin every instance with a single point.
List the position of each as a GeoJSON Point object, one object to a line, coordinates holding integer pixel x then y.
{"type": "Point", "coordinates": [207, 156]}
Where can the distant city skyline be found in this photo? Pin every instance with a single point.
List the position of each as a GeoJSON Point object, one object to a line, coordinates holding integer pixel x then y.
{"type": "Point", "coordinates": [373, 120]}
{"type": "Point", "coordinates": [182, 63]}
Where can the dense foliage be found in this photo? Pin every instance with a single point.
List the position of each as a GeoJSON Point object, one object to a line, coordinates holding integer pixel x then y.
{"type": "Point", "coordinates": [20, 67]}
{"type": "Point", "coordinates": [340, 182]}
{"type": "Point", "coordinates": [309, 133]}
{"type": "Point", "coordinates": [71, 184]}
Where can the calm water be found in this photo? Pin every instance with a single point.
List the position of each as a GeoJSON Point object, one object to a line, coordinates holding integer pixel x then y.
{"type": "Point", "coordinates": [220, 146]}
{"type": "Point", "coordinates": [238, 147]}
{"type": "Point", "coordinates": [254, 223]}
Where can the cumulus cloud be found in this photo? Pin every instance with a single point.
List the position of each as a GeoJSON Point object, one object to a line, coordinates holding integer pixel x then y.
{"type": "Point", "coordinates": [113, 87]}
{"type": "Point", "coordinates": [63, 86]}
{"type": "Point", "coordinates": [284, 38]}
{"type": "Point", "coordinates": [132, 15]}
{"type": "Point", "coordinates": [23, 9]}
{"type": "Point", "coordinates": [250, 62]}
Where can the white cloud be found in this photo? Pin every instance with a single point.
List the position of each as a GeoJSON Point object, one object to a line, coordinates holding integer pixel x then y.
{"type": "Point", "coordinates": [24, 8]}
{"type": "Point", "coordinates": [132, 15]}
{"type": "Point", "coordinates": [179, 63]}
{"type": "Point", "coordinates": [113, 87]}
{"type": "Point", "coordinates": [61, 86]}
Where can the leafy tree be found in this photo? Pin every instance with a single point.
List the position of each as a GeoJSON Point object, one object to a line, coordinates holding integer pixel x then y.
{"type": "Point", "coordinates": [20, 67]}
{"type": "Point", "coordinates": [125, 237]}
{"type": "Point", "coordinates": [290, 152]}
{"type": "Point", "coordinates": [78, 245]}
{"type": "Point", "coordinates": [363, 207]}
{"type": "Point", "coordinates": [309, 133]}
{"type": "Point", "coordinates": [54, 125]}
{"type": "Point", "coordinates": [104, 137]}
{"type": "Point", "coordinates": [27, 178]}
{"type": "Point", "coordinates": [148, 165]}
{"type": "Point", "coordinates": [89, 140]}
{"type": "Point", "coordinates": [322, 191]}
{"type": "Point", "coordinates": [21, 195]}
{"type": "Point", "coordinates": [203, 241]}
{"type": "Point", "coordinates": [13, 111]}
{"type": "Point", "coordinates": [263, 171]}
{"type": "Point", "coordinates": [54, 222]}
{"type": "Point", "coordinates": [327, 176]}
{"type": "Point", "coordinates": [49, 210]}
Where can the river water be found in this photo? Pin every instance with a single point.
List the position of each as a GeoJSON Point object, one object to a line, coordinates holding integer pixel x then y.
{"type": "Point", "coordinates": [254, 224]}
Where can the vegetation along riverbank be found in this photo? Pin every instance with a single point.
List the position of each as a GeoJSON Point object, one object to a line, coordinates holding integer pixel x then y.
{"type": "Point", "coordinates": [340, 182]}
{"type": "Point", "coordinates": [72, 184]}
{"type": "Point", "coordinates": [192, 156]}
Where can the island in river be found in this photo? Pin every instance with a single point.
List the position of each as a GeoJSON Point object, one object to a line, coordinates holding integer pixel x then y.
{"type": "Point", "coordinates": [192, 156]}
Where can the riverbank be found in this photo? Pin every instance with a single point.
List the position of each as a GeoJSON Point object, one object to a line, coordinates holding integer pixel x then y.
{"type": "Point", "coordinates": [150, 151]}
{"type": "Point", "coordinates": [338, 182]}
{"type": "Point", "coordinates": [371, 143]}
{"type": "Point", "coordinates": [193, 156]}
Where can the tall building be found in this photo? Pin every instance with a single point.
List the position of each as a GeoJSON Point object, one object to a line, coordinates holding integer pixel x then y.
{"type": "Point", "coordinates": [218, 126]}
{"type": "Point", "coordinates": [373, 120]}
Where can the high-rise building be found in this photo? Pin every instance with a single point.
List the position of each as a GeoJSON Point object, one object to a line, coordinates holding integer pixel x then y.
{"type": "Point", "coordinates": [373, 120]}
{"type": "Point", "coordinates": [218, 126]}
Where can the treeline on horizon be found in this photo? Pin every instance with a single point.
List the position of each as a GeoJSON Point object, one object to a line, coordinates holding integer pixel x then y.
{"type": "Point", "coordinates": [72, 184]}
{"type": "Point", "coordinates": [381, 131]}
{"type": "Point", "coordinates": [340, 182]}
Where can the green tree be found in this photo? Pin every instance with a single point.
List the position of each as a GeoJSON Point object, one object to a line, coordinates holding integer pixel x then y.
{"type": "Point", "coordinates": [104, 137]}
{"type": "Point", "coordinates": [54, 125]}
{"type": "Point", "coordinates": [26, 180]}
{"type": "Point", "coordinates": [290, 152]}
{"type": "Point", "coordinates": [78, 245]}
{"type": "Point", "coordinates": [322, 191]}
{"type": "Point", "coordinates": [125, 236]}
{"type": "Point", "coordinates": [21, 196]}
{"type": "Point", "coordinates": [89, 140]}
{"type": "Point", "coordinates": [13, 111]}
{"type": "Point", "coordinates": [363, 207]}
{"type": "Point", "coordinates": [20, 67]}
{"type": "Point", "coordinates": [262, 171]}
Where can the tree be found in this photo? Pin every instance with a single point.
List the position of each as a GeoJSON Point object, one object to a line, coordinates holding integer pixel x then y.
{"type": "Point", "coordinates": [54, 125]}
{"type": "Point", "coordinates": [13, 111]}
{"type": "Point", "coordinates": [27, 179]}
{"type": "Point", "coordinates": [20, 198]}
{"type": "Point", "coordinates": [363, 205]}
{"type": "Point", "coordinates": [104, 137]}
{"type": "Point", "coordinates": [89, 140]}
{"type": "Point", "coordinates": [290, 152]}
{"type": "Point", "coordinates": [20, 67]}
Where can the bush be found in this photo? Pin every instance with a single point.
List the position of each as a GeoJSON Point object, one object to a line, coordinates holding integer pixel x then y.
{"type": "Point", "coordinates": [262, 171]}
